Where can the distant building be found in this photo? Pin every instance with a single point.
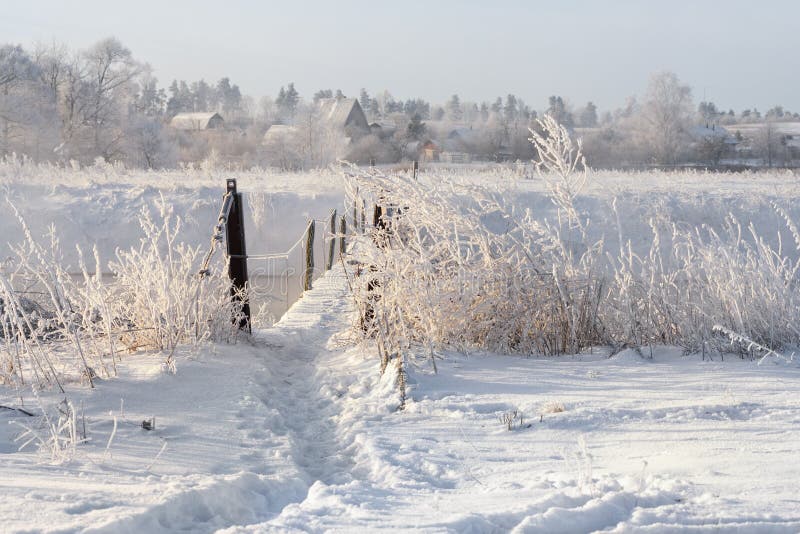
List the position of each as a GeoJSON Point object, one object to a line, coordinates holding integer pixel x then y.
{"type": "Point", "coordinates": [430, 151]}
{"type": "Point", "coordinates": [711, 142]}
{"type": "Point", "coordinates": [455, 157]}
{"type": "Point", "coordinates": [462, 140]}
{"type": "Point", "coordinates": [708, 132]}
{"type": "Point", "coordinates": [788, 133]}
{"type": "Point", "coordinates": [383, 129]}
{"type": "Point", "coordinates": [422, 150]}
{"type": "Point", "coordinates": [197, 121]}
{"type": "Point", "coordinates": [280, 133]}
{"type": "Point", "coordinates": [345, 115]}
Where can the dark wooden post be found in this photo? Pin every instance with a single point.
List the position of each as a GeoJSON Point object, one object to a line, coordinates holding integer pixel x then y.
{"type": "Point", "coordinates": [237, 253]}
{"type": "Point", "coordinates": [333, 240]}
{"type": "Point", "coordinates": [343, 232]}
{"type": "Point", "coordinates": [416, 168]}
{"type": "Point", "coordinates": [309, 274]}
{"type": "Point", "coordinates": [363, 215]}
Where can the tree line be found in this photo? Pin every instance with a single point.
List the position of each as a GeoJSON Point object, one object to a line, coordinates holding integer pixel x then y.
{"type": "Point", "coordinates": [64, 105]}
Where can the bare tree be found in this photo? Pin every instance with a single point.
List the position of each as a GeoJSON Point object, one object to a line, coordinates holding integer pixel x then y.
{"type": "Point", "coordinates": [768, 143]}
{"type": "Point", "coordinates": [148, 144]}
{"type": "Point", "coordinates": [17, 71]}
{"type": "Point", "coordinates": [109, 69]}
{"type": "Point", "coordinates": [665, 116]}
{"type": "Point", "coordinates": [282, 149]}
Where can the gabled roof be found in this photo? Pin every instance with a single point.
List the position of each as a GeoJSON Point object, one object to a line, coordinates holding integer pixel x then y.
{"type": "Point", "coordinates": [342, 112]}
{"type": "Point", "coordinates": [194, 121]}
{"type": "Point", "coordinates": [461, 140]}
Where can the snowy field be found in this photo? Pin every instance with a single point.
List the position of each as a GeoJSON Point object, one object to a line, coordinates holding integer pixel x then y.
{"type": "Point", "coordinates": [296, 430]}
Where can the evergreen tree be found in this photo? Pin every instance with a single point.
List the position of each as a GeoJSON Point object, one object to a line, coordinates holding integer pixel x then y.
{"type": "Point", "coordinates": [589, 116]}
{"type": "Point", "coordinates": [322, 93]}
{"type": "Point", "coordinates": [510, 109]}
{"type": "Point", "coordinates": [363, 99]}
{"type": "Point", "coordinates": [558, 110]}
{"type": "Point", "coordinates": [707, 111]}
{"type": "Point", "coordinates": [454, 111]}
{"type": "Point", "coordinates": [393, 106]}
{"type": "Point", "coordinates": [416, 128]}
{"type": "Point", "coordinates": [287, 101]}
{"type": "Point", "coordinates": [201, 96]}
{"type": "Point", "coordinates": [229, 97]}
{"type": "Point", "coordinates": [484, 111]}
{"type": "Point", "coordinates": [375, 108]}
{"type": "Point", "coordinates": [150, 101]}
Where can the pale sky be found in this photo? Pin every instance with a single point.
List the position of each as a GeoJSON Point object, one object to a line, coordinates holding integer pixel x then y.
{"type": "Point", "coordinates": [740, 53]}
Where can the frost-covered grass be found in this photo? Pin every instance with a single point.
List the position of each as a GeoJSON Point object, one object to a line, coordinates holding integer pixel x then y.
{"type": "Point", "coordinates": [297, 431]}
{"type": "Point", "coordinates": [471, 266]}
{"type": "Point", "coordinates": [57, 328]}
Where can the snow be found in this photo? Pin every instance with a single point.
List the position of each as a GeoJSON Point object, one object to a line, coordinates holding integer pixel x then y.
{"type": "Point", "coordinates": [297, 431]}
{"type": "Point", "coordinates": [102, 209]}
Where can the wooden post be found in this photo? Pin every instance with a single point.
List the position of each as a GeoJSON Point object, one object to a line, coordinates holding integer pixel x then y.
{"type": "Point", "coordinates": [363, 215]}
{"type": "Point", "coordinates": [309, 274]}
{"type": "Point", "coordinates": [333, 240]}
{"type": "Point", "coordinates": [343, 232]}
{"type": "Point", "coordinates": [237, 253]}
{"type": "Point", "coordinates": [355, 210]}
{"type": "Point", "coordinates": [416, 169]}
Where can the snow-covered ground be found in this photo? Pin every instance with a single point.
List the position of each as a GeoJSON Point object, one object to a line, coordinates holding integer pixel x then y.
{"type": "Point", "coordinates": [297, 431]}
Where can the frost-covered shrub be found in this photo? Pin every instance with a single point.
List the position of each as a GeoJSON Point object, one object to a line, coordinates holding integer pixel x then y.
{"type": "Point", "coordinates": [454, 263]}
{"type": "Point", "coordinates": [159, 294]}
{"type": "Point", "coordinates": [76, 326]}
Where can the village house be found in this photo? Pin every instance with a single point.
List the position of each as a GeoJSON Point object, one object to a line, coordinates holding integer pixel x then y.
{"type": "Point", "coordinates": [426, 150]}
{"type": "Point", "coordinates": [383, 129]}
{"type": "Point", "coordinates": [460, 145]}
{"type": "Point", "coordinates": [194, 122]}
{"type": "Point", "coordinates": [280, 133]}
{"type": "Point", "coordinates": [344, 115]}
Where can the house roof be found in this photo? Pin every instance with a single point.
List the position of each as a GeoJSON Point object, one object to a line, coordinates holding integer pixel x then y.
{"type": "Point", "coordinates": [279, 132]}
{"type": "Point", "coordinates": [337, 111]}
{"type": "Point", "coordinates": [463, 134]}
{"type": "Point", "coordinates": [194, 121]}
{"type": "Point", "coordinates": [702, 130]}
{"type": "Point", "coordinates": [384, 125]}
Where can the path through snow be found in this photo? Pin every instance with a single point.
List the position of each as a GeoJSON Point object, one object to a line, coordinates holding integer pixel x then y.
{"type": "Point", "coordinates": [297, 432]}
